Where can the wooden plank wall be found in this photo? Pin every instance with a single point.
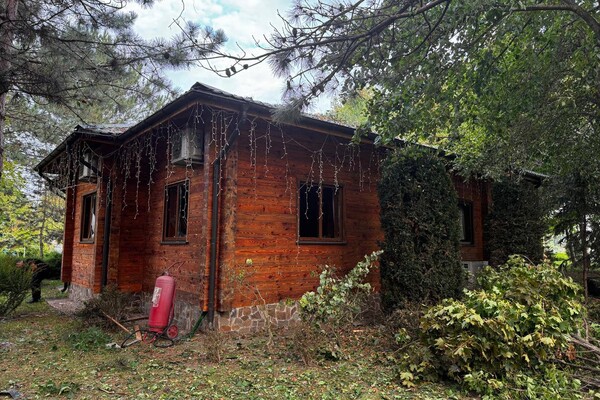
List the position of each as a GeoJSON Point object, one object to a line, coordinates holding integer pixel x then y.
{"type": "Point", "coordinates": [66, 272]}
{"type": "Point", "coordinates": [83, 254]}
{"type": "Point", "coordinates": [478, 193]}
{"type": "Point", "coordinates": [138, 254]}
{"type": "Point", "coordinates": [271, 164]}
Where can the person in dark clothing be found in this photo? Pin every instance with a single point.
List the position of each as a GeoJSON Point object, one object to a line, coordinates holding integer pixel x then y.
{"type": "Point", "coordinates": [39, 271]}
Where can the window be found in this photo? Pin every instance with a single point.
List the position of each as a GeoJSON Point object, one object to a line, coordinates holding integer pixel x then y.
{"type": "Point", "coordinates": [88, 218]}
{"type": "Point", "coordinates": [466, 222]}
{"type": "Point", "coordinates": [320, 213]}
{"type": "Point", "coordinates": [176, 210]}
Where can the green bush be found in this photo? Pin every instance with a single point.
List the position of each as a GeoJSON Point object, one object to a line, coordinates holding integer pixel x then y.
{"type": "Point", "coordinates": [15, 283]}
{"type": "Point", "coordinates": [420, 221]}
{"type": "Point", "coordinates": [54, 261]}
{"type": "Point", "coordinates": [504, 337]}
{"type": "Point", "coordinates": [516, 224]}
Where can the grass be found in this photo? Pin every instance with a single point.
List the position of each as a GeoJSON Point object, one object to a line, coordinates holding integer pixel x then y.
{"type": "Point", "coordinates": [48, 355]}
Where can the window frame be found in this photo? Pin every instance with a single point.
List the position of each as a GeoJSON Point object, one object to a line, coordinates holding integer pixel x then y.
{"type": "Point", "coordinates": [467, 222]}
{"type": "Point", "coordinates": [177, 239]}
{"type": "Point", "coordinates": [338, 194]}
{"type": "Point", "coordinates": [88, 218]}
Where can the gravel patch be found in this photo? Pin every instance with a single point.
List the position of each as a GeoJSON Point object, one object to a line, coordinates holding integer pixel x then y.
{"type": "Point", "coordinates": [66, 306]}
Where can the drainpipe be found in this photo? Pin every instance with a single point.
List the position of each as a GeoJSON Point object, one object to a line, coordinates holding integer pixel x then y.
{"type": "Point", "coordinates": [214, 223]}
{"type": "Point", "coordinates": [106, 240]}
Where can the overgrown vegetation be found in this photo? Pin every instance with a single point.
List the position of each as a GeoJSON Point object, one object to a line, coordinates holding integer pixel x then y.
{"type": "Point", "coordinates": [502, 341]}
{"type": "Point", "coordinates": [331, 309]}
{"type": "Point", "coordinates": [516, 223]}
{"type": "Point", "coordinates": [111, 302]}
{"type": "Point", "coordinates": [39, 362]}
{"type": "Point", "coordinates": [420, 221]}
{"type": "Point", "coordinates": [88, 339]}
{"type": "Point", "coordinates": [54, 261]}
{"type": "Point", "coordinates": [15, 283]}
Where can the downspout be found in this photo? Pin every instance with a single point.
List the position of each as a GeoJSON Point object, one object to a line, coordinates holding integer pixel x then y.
{"type": "Point", "coordinates": [106, 240]}
{"type": "Point", "coordinates": [214, 223]}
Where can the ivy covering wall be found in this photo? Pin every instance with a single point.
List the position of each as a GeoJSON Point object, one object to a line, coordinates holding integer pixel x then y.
{"type": "Point", "coordinates": [420, 221]}
{"type": "Point", "coordinates": [516, 224]}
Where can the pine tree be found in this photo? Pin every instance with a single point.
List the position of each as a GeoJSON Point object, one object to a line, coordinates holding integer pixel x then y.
{"type": "Point", "coordinates": [70, 51]}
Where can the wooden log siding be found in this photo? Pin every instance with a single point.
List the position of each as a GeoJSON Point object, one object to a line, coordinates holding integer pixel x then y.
{"type": "Point", "coordinates": [266, 221]}
{"type": "Point", "coordinates": [476, 192]}
{"type": "Point", "coordinates": [82, 256]}
{"type": "Point", "coordinates": [66, 272]}
{"type": "Point", "coordinates": [258, 219]}
{"type": "Point", "coordinates": [142, 255]}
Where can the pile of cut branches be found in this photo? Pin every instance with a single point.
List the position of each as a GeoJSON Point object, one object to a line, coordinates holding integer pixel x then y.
{"type": "Point", "coordinates": [584, 361]}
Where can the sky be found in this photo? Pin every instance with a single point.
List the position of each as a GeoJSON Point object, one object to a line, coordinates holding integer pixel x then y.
{"type": "Point", "coordinates": [240, 20]}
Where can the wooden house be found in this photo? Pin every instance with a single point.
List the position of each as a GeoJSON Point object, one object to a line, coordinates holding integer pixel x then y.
{"type": "Point", "coordinates": [240, 210]}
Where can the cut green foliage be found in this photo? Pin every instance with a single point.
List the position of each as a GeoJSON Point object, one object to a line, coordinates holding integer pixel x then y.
{"type": "Point", "coordinates": [420, 221]}
{"type": "Point", "coordinates": [329, 310]}
{"type": "Point", "coordinates": [503, 338]}
{"type": "Point", "coordinates": [88, 339]}
{"type": "Point", "coordinates": [15, 283]}
{"type": "Point", "coordinates": [66, 389]}
{"type": "Point", "coordinates": [338, 300]}
{"type": "Point", "coordinates": [39, 362]}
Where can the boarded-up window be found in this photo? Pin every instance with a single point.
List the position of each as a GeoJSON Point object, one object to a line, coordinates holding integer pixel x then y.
{"type": "Point", "coordinates": [466, 222]}
{"type": "Point", "coordinates": [88, 218]}
{"type": "Point", "coordinates": [176, 211]}
{"type": "Point", "coordinates": [320, 213]}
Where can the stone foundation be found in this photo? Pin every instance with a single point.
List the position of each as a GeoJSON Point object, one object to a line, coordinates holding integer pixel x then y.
{"type": "Point", "coordinates": [80, 294]}
{"type": "Point", "coordinates": [254, 318]}
{"type": "Point", "coordinates": [187, 310]}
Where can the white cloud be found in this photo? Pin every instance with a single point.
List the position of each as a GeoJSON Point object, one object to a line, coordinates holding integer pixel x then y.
{"type": "Point", "coordinates": [241, 20]}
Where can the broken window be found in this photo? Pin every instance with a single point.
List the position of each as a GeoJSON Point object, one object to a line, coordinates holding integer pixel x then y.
{"type": "Point", "coordinates": [466, 222]}
{"type": "Point", "coordinates": [88, 218]}
{"type": "Point", "coordinates": [320, 213]}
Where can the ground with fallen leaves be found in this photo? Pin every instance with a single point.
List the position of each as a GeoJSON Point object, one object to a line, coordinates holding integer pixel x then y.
{"type": "Point", "coordinates": [46, 354]}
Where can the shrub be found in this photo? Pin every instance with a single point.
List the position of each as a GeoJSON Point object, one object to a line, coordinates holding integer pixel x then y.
{"type": "Point", "coordinates": [420, 221]}
{"type": "Point", "coordinates": [14, 284]}
{"type": "Point", "coordinates": [54, 261]}
{"type": "Point", "coordinates": [516, 224]}
{"type": "Point", "coordinates": [505, 336]}
{"type": "Point", "coordinates": [112, 302]}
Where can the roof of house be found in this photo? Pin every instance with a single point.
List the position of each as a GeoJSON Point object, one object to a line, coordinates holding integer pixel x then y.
{"type": "Point", "coordinates": [121, 132]}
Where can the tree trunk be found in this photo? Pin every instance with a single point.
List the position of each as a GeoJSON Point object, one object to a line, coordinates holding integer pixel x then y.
{"type": "Point", "coordinates": [2, 124]}
{"type": "Point", "coordinates": [6, 43]}
{"type": "Point", "coordinates": [44, 206]}
{"type": "Point", "coordinates": [585, 255]}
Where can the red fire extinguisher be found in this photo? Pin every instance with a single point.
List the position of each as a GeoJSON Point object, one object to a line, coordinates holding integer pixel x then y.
{"type": "Point", "coordinates": [163, 306]}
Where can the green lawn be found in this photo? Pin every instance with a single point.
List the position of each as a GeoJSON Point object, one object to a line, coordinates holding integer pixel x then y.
{"type": "Point", "coordinates": [48, 355]}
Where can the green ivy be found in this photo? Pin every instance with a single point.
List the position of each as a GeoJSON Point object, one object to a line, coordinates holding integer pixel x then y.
{"type": "Point", "coordinates": [420, 221]}
{"type": "Point", "coordinates": [517, 222]}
